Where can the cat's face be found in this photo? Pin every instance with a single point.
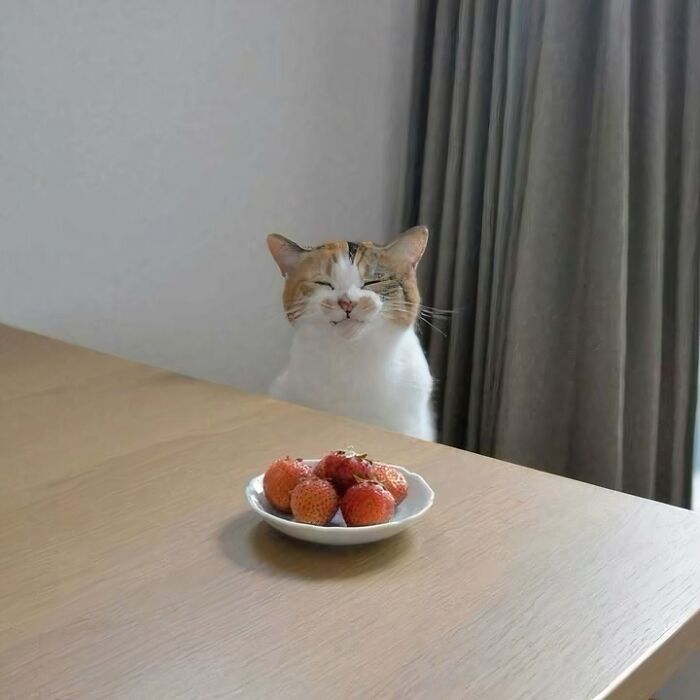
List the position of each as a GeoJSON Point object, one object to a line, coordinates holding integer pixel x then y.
{"type": "Point", "coordinates": [345, 288]}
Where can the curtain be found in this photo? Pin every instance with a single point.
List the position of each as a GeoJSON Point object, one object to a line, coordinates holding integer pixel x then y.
{"type": "Point", "coordinates": [557, 164]}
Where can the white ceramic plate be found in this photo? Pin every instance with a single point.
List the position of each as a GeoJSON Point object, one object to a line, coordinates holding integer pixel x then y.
{"type": "Point", "coordinates": [419, 499]}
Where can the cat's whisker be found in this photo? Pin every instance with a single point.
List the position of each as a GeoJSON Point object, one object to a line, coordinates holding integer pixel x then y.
{"type": "Point", "coordinates": [436, 310]}
{"type": "Point", "coordinates": [434, 327]}
{"type": "Point", "coordinates": [296, 311]}
{"type": "Point", "coordinates": [430, 316]}
{"type": "Point", "coordinates": [422, 311]}
{"type": "Point", "coordinates": [435, 317]}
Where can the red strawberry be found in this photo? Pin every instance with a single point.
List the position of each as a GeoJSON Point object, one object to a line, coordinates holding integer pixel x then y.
{"type": "Point", "coordinates": [392, 479]}
{"type": "Point", "coordinates": [341, 468]}
{"type": "Point", "coordinates": [367, 503]}
{"type": "Point", "coordinates": [314, 501]}
{"type": "Point", "coordinates": [280, 479]}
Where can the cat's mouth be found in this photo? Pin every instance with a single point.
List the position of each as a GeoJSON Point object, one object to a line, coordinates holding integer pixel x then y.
{"type": "Point", "coordinates": [345, 320]}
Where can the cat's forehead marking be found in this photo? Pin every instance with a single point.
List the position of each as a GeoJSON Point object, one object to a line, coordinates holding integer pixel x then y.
{"type": "Point", "coordinates": [348, 263]}
{"type": "Point", "coordinates": [345, 273]}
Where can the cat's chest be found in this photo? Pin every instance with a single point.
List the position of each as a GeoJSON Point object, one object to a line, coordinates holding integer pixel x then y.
{"type": "Point", "coordinates": [370, 375]}
{"type": "Point", "coordinates": [369, 384]}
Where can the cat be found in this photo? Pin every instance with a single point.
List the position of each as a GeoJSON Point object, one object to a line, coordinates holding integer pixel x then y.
{"type": "Point", "coordinates": [353, 307]}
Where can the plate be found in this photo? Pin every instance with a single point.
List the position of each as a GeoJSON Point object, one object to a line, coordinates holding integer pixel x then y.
{"type": "Point", "coordinates": [416, 504]}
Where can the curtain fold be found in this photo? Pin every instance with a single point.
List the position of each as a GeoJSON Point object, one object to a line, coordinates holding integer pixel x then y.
{"type": "Point", "coordinates": [560, 178]}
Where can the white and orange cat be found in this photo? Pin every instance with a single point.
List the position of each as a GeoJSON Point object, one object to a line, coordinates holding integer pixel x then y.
{"type": "Point", "coordinates": [355, 352]}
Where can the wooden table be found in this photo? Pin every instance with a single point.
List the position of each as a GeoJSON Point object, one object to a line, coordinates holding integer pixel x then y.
{"type": "Point", "coordinates": [130, 566]}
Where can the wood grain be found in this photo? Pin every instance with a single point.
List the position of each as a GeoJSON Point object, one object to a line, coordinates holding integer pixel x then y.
{"type": "Point", "coordinates": [131, 568]}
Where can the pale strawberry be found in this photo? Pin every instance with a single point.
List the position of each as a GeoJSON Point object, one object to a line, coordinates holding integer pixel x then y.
{"type": "Point", "coordinates": [280, 479]}
{"type": "Point", "coordinates": [392, 479]}
{"type": "Point", "coordinates": [314, 501]}
{"type": "Point", "coordinates": [343, 468]}
{"type": "Point", "coordinates": [367, 503]}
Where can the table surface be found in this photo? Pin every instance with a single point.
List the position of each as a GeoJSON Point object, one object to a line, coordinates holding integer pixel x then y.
{"type": "Point", "coordinates": [130, 566]}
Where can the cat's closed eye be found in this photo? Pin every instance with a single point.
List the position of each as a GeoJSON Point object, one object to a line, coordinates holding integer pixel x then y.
{"type": "Point", "coordinates": [324, 284]}
{"type": "Point", "coordinates": [369, 283]}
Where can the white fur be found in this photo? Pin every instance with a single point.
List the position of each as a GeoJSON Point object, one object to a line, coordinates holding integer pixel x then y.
{"type": "Point", "coordinates": [365, 367]}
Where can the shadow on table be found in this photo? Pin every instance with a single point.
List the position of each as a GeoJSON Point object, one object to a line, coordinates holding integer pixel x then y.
{"type": "Point", "coordinates": [251, 544]}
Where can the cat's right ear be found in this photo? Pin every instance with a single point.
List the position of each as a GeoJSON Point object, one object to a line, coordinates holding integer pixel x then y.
{"type": "Point", "coordinates": [285, 252]}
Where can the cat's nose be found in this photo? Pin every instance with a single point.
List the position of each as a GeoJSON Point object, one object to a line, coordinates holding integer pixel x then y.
{"type": "Point", "coordinates": [346, 305]}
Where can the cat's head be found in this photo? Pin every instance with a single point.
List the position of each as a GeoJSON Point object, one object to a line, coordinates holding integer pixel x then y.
{"type": "Point", "coordinates": [346, 288]}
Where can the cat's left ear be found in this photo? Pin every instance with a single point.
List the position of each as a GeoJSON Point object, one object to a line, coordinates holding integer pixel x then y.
{"type": "Point", "coordinates": [285, 252]}
{"type": "Point", "coordinates": [411, 244]}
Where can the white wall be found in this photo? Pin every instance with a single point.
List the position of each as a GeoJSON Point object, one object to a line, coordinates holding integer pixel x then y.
{"type": "Point", "coordinates": [147, 148]}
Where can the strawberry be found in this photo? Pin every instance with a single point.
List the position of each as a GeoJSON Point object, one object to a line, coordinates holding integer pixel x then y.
{"type": "Point", "coordinates": [367, 503]}
{"type": "Point", "coordinates": [392, 479]}
{"type": "Point", "coordinates": [280, 479]}
{"type": "Point", "coordinates": [314, 501]}
{"type": "Point", "coordinates": [342, 468]}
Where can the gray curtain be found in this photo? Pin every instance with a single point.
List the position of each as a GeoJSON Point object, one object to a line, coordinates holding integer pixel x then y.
{"type": "Point", "coordinates": [558, 168]}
